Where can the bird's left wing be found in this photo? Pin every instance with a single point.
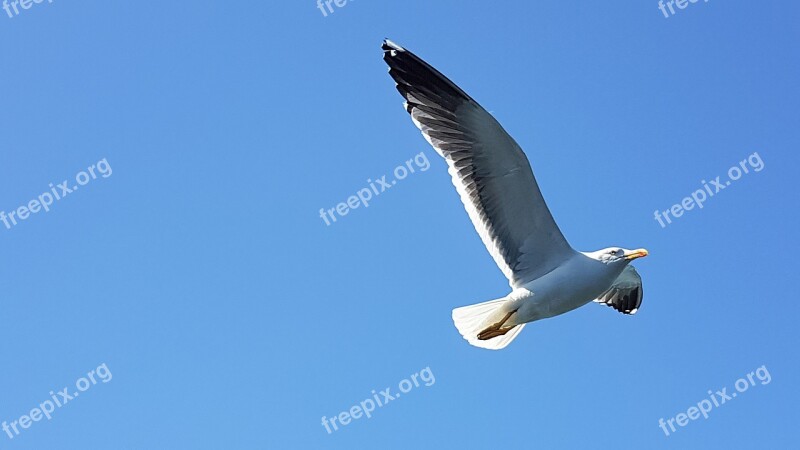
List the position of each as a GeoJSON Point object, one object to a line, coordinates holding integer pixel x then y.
{"type": "Point", "coordinates": [489, 170]}
{"type": "Point", "coordinates": [626, 294]}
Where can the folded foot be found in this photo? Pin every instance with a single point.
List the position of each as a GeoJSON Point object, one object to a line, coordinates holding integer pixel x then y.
{"type": "Point", "coordinates": [496, 329]}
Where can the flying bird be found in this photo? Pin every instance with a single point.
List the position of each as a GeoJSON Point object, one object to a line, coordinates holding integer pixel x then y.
{"type": "Point", "coordinates": [496, 184]}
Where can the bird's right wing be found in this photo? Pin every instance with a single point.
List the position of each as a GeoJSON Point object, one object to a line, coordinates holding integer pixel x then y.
{"type": "Point", "coordinates": [626, 294]}
{"type": "Point", "coordinates": [489, 170]}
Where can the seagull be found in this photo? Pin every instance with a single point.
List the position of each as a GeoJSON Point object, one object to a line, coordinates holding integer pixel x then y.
{"type": "Point", "coordinates": [495, 181]}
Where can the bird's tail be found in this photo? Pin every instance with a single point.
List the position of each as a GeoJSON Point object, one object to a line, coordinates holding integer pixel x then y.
{"type": "Point", "coordinates": [471, 320]}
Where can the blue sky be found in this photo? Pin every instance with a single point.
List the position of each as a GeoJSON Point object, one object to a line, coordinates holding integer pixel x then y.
{"type": "Point", "coordinates": [200, 273]}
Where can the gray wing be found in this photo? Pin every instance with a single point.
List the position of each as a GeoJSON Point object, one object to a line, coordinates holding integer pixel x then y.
{"type": "Point", "coordinates": [489, 170]}
{"type": "Point", "coordinates": [626, 294]}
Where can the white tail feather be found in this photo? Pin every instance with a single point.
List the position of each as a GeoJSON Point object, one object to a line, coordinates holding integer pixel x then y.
{"type": "Point", "coordinates": [471, 320]}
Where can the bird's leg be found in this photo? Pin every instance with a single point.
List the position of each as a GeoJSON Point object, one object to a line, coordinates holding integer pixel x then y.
{"type": "Point", "coordinates": [496, 329]}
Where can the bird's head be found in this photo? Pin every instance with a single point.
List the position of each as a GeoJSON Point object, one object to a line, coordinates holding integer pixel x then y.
{"type": "Point", "coordinates": [617, 255]}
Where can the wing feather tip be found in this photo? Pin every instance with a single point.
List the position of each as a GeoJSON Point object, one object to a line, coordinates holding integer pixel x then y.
{"type": "Point", "coordinates": [389, 45]}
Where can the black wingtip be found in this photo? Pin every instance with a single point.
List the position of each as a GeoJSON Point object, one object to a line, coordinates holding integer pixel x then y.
{"type": "Point", "coordinates": [416, 79]}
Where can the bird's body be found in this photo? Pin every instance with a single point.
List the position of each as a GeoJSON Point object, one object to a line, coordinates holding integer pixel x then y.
{"type": "Point", "coordinates": [579, 281]}
{"type": "Point", "coordinates": [495, 181]}
{"type": "Point", "coordinates": [562, 291]}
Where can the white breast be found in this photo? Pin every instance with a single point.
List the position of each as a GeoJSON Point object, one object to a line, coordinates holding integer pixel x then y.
{"type": "Point", "coordinates": [570, 286]}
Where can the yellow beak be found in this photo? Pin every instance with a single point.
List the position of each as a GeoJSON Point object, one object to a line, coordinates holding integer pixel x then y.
{"type": "Point", "coordinates": [639, 253]}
